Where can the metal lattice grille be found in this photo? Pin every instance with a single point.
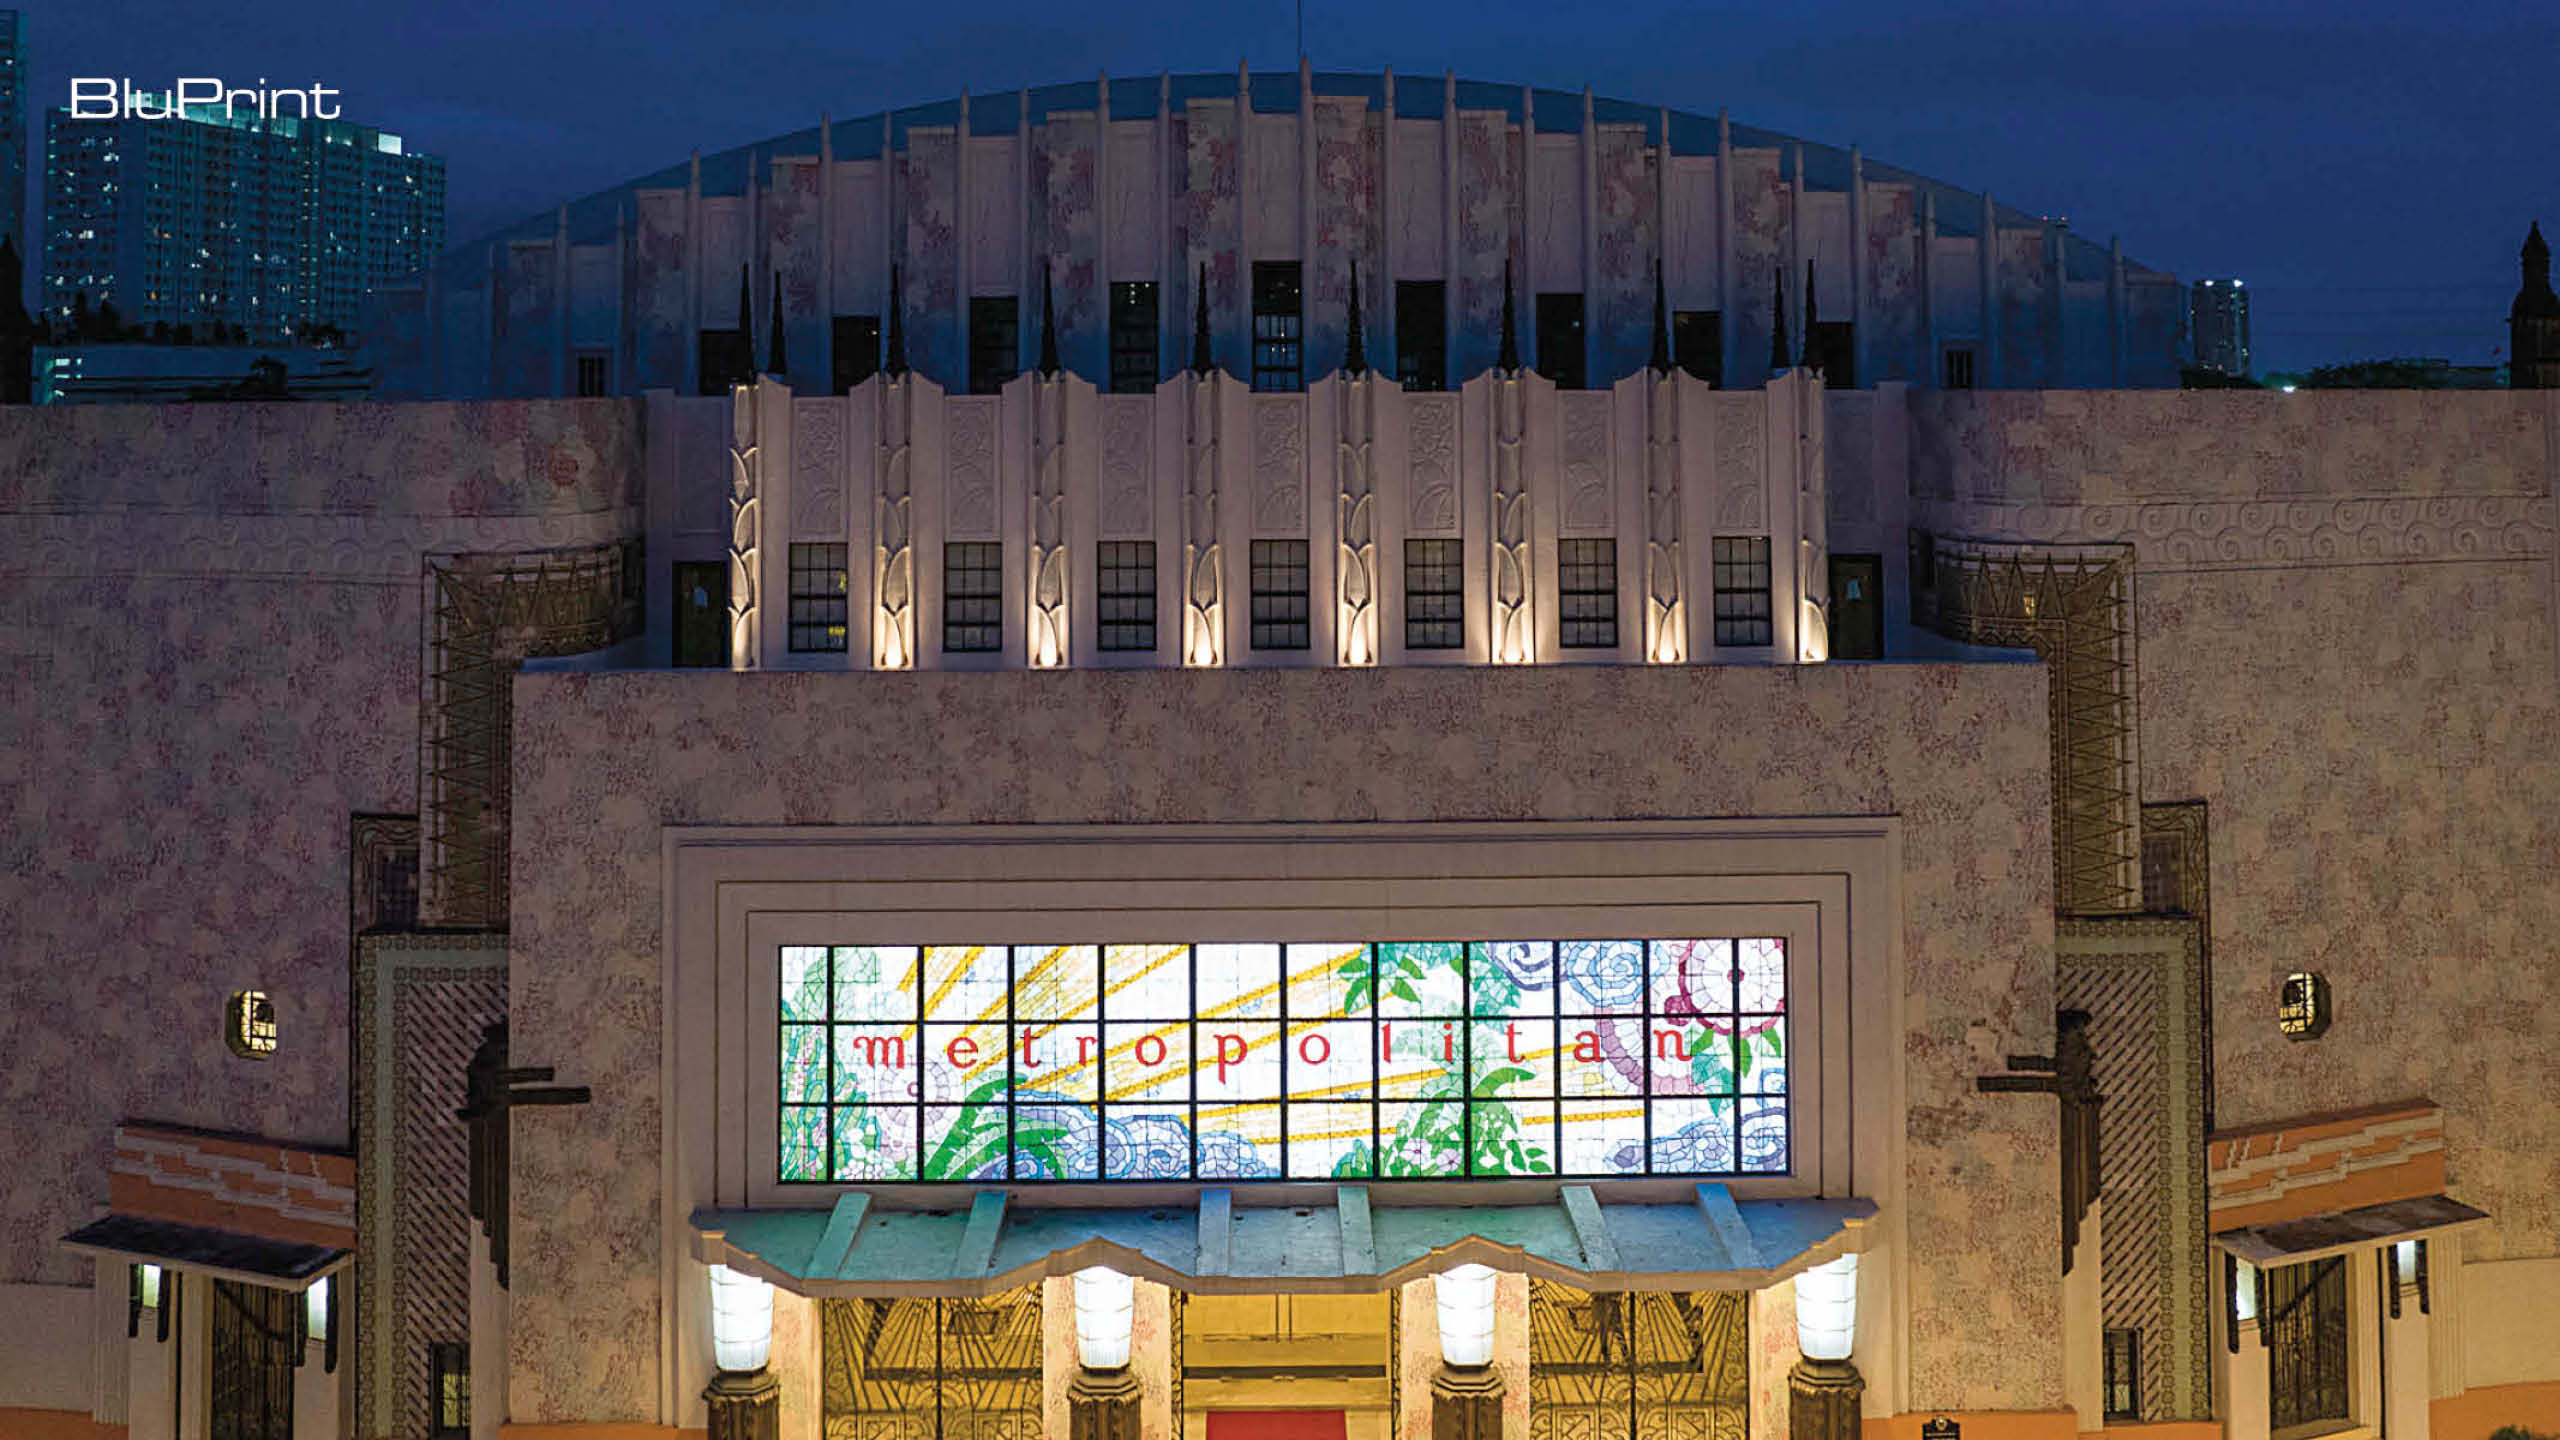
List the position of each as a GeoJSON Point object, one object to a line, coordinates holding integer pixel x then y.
{"type": "Point", "coordinates": [256, 1340]}
{"type": "Point", "coordinates": [1637, 1364]}
{"type": "Point", "coordinates": [489, 614]}
{"type": "Point", "coordinates": [2073, 606]}
{"type": "Point", "coordinates": [932, 1369]}
{"type": "Point", "coordinates": [2305, 1310]}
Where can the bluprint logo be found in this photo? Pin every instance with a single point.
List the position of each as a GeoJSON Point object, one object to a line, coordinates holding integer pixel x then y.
{"type": "Point", "coordinates": [102, 98]}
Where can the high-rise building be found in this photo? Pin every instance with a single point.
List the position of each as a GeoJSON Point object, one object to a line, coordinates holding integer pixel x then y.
{"type": "Point", "coordinates": [13, 128]}
{"type": "Point", "coordinates": [2219, 322]}
{"type": "Point", "coordinates": [272, 225]}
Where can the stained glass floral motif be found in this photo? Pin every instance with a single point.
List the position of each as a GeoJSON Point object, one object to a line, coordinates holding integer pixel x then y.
{"type": "Point", "coordinates": [1310, 1061]}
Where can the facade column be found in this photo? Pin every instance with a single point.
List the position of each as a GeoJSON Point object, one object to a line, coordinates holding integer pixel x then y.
{"type": "Point", "coordinates": [1102, 1405]}
{"type": "Point", "coordinates": [1823, 1399]}
{"type": "Point", "coordinates": [1465, 1404]}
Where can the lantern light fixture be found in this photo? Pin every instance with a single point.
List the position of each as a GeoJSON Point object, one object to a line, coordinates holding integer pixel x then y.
{"type": "Point", "coordinates": [1465, 1293]}
{"type": "Point", "coordinates": [741, 1320]}
{"type": "Point", "coordinates": [1827, 1309]}
{"type": "Point", "coordinates": [1106, 1311]}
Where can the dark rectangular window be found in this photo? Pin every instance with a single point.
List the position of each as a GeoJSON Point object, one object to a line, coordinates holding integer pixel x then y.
{"type": "Point", "coordinates": [1587, 594]}
{"type": "Point", "coordinates": [1422, 334]}
{"type": "Point", "coordinates": [818, 597]}
{"type": "Point", "coordinates": [595, 371]}
{"type": "Point", "coordinates": [2123, 1382]}
{"type": "Point", "coordinates": [1135, 338]}
{"type": "Point", "coordinates": [1742, 590]}
{"type": "Point", "coordinates": [995, 343]}
{"type": "Point", "coordinates": [1697, 344]}
{"type": "Point", "coordinates": [1435, 595]}
{"type": "Point", "coordinates": [857, 351]}
{"type": "Point", "coordinates": [702, 615]}
{"type": "Point", "coordinates": [1279, 326]}
{"type": "Point", "coordinates": [449, 1391]}
{"type": "Point", "coordinates": [2302, 1316]}
{"type": "Point", "coordinates": [1835, 353]}
{"type": "Point", "coordinates": [395, 889]}
{"type": "Point", "coordinates": [724, 358]}
{"type": "Point", "coordinates": [1955, 368]}
{"type": "Point", "coordinates": [1857, 607]}
{"type": "Point", "coordinates": [1279, 594]}
{"type": "Point", "coordinates": [1560, 355]}
{"type": "Point", "coordinates": [1125, 594]}
{"type": "Point", "coordinates": [972, 597]}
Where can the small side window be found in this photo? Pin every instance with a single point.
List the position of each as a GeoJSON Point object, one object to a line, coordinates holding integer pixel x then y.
{"type": "Point", "coordinates": [250, 1026]}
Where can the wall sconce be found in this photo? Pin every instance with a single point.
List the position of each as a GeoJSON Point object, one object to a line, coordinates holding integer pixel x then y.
{"type": "Point", "coordinates": [1827, 1309]}
{"type": "Point", "coordinates": [1466, 1315]}
{"type": "Point", "coordinates": [1106, 1310]}
{"type": "Point", "coordinates": [741, 1320]}
{"type": "Point", "coordinates": [1813, 634]}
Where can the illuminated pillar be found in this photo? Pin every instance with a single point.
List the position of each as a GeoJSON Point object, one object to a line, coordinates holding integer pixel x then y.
{"type": "Point", "coordinates": [1466, 1393]}
{"type": "Point", "coordinates": [745, 1398]}
{"type": "Point", "coordinates": [1102, 1399]}
{"type": "Point", "coordinates": [1824, 1391]}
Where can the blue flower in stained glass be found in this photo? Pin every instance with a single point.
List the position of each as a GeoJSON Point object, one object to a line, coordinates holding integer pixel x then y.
{"type": "Point", "coordinates": [1053, 1139]}
{"type": "Point", "coordinates": [1603, 975]}
{"type": "Point", "coordinates": [1227, 1155]}
{"type": "Point", "coordinates": [1146, 1147]}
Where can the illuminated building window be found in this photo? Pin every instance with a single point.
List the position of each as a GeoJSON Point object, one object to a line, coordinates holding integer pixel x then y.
{"type": "Point", "coordinates": [818, 597]}
{"type": "Point", "coordinates": [2123, 1382]}
{"type": "Point", "coordinates": [1125, 591]}
{"type": "Point", "coordinates": [1279, 326]}
{"type": "Point", "coordinates": [2302, 1006]}
{"type": "Point", "coordinates": [1742, 590]}
{"type": "Point", "coordinates": [1435, 596]}
{"type": "Point", "coordinates": [1279, 577]}
{"type": "Point", "coordinates": [1587, 594]}
{"type": "Point", "coordinates": [449, 1391]}
{"type": "Point", "coordinates": [972, 597]}
{"type": "Point", "coordinates": [1325, 1061]}
{"type": "Point", "coordinates": [1134, 336]}
{"type": "Point", "coordinates": [251, 1025]}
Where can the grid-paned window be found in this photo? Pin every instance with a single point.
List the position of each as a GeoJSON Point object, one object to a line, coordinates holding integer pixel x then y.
{"type": "Point", "coordinates": [594, 375]}
{"type": "Point", "coordinates": [1587, 594]}
{"type": "Point", "coordinates": [972, 597]}
{"type": "Point", "coordinates": [1435, 595]}
{"type": "Point", "coordinates": [995, 343]}
{"type": "Point", "coordinates": [1697, 344]}
{"type": "Point", "coordinates": [449, 1391]}
{"type": "Point", "coordinates": [2123, 1381]}
{"type": "Point", "coordinates": [1422, 334]}
{"type": "Point", "coordinates": [1125, 576]}
{"type": "Point", "coordinates": [1560, 348]}
{"type": "Point", "coordinates": [1335, 1060]}
{"type": "Point", "coordinates": [1742, 590]}
{"type": "Point", "coordinates": [818, 597]}
{"type": "Point", "coordinates": [1135, 337]}
{"type": "Point", "coordinates": [1279, 577]}
{"type": "Point", "coordinates": [1279, 326]}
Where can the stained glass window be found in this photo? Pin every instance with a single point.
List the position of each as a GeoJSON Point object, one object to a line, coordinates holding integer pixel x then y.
{"type": "Point", "coordinates": [1328, 1061]}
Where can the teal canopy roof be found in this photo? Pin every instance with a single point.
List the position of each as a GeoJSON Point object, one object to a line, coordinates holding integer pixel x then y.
{"type": "Point", "coordinates": [1214, 1246]}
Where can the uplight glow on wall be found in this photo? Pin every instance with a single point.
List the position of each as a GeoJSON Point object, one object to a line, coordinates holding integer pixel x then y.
{"type": "Point", "coordinates": [1340, 1060]}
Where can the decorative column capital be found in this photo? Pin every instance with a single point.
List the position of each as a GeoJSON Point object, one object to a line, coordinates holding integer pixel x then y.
{"type": "Point", "coordinates": [1466, 1404]}
{"type": "Point", "coordinates": [745, 1405]}
{"type": "Point", "coordinates": [1824, 1398]}
{"type": "Point", "coordinates": [1102, 1405]}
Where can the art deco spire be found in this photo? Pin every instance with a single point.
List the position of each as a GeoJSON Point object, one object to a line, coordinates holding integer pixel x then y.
{"type": "Point", "coordinates": [1661, 361]}
{"type": "Point", "coordinates": [746, 351]}
{"type": "Point", "coordinates": [1048, 324]}
{"type": "Point", "coordinates": [1777, 318]}
{"type": "Point", "coordinates": [1355, 344]}
{"type": "Point", "coordinates": [1510, 356]}
{"type": "Point", "coordinates": [1812, 312]}
{"type": "Point", "coordinates": [1201, 361]}
{"type": "Point", "coordinates": [781, 363]}
{"type": "Point", "coordinates": [896, 364]}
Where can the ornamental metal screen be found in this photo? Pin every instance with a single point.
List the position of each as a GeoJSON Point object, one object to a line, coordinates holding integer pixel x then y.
{"type": "Point", "coordinates": [256, 1341]}
{"type": "Point", "coordinates": [938, 1369]}
{"type": "Point", "coordinates": [1662, 1366]}
{"type": "Point", "coordinates": [2305, 1324]}
{"type": "Point", "coordinates": [1267, 1062]}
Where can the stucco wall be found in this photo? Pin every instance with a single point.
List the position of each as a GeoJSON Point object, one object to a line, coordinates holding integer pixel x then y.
{"type": "Point", "coordinates": [2345, 606]}
{"type": "Point", "coordinates": [603, 761]}
{"type": "Point", "coordinates": [209, 658]}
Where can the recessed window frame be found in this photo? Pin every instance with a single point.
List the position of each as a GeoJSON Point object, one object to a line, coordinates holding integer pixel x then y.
{"type": "Point", "coordinates": [821, 598]}
{"type": "Point", "coordinates": [1137, 336]}
{"type": "Point", "coordinates": [1959, 367]}
{"type": "Point", "coordinates": [1587, 593]}
{"type": "Point", "coordinates": [2120, 1385]}
{"type": "Point", "coordinates": [448, 1390]}
{"type": "Point", "coordinates": [1279, 578]}
{"type": "Point", "coordinates": [1564, 338]}
{"type": "Point", "coordinates": [1422, 336]}
{"type": "Point", "coordinates": [1127, 613]}
{"type": "Point", "coordinates": [972, 597]}
{"type": "Point", "coordinates": [1435, 594]}
{"type": "Point", "coordinates": [995, 342]}
{"type": "Point", "coordinates": [1279, 327]}
{"type": "Point", "coordinates": [1745, 602]}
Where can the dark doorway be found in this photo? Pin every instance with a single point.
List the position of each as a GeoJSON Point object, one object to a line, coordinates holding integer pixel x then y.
{"type": "Point", "coordinates": [1422, 334]}
{"type": "Point", "coordinates": [857, 350]}
{"type": "Point", "coordinates": [1857, 607]}
{"type": "Point", "coordinates": [256, 1338]}
{"type": "Point", "coordinates": [1697, 344]}
{"type": "Point", "coordinates": [702, 615]}
{"type": "Point", "coordinates": [1560, 348]}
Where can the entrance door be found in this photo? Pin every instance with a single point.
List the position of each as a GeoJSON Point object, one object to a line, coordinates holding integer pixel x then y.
{"type": "Point", "coordinates": [255, 1337]}
{"type": "Point", "coordinates": [1276, 1425]}
{"type": "Point", "coordinates": [1857, 607]}
{"type": "Point", "coordinates": [702, 615]}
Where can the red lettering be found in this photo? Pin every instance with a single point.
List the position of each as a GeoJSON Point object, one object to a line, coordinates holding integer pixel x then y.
{"type": "Point", "coordinates": [1224, 1058]}
{"type": "Point", "coordinates": [1140, 1050]}
{"type": "Point", "coordinates": [1586, 1047]}
{"type": "Point", "coordinates": [962, 1052]}
{"type": "Point", "coordinates": [873, 1046]}
{"type": "Point", "coordinates": [1511, 1039]}
{"type": "Point", "coordinates": [1029, 1034]}
{"type": "Point", "coordinates": [1667, 1046]}
{"type": "Point", "coordinates": [1084, 1049]}
{"type": "Point", "coordinates": [1314, 1038]}
{"type": "Point", "coordinates": [1386, 1040]}
{"type": "Point", "coordinates": [1449, 1042]}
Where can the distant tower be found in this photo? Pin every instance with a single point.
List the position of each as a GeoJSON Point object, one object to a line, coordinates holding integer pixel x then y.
{"type": "Point", "coordinates": [2219, 324]}
{"type": "Point", "coordinates": [2533, 323]}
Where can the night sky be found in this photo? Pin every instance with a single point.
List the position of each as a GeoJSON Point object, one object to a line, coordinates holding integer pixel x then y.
{"type": "Point", "coordinates": [2367, 166]}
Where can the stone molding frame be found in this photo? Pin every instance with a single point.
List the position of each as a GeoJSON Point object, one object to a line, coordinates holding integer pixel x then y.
{"type": "Point", "coordinates": [730, 893]}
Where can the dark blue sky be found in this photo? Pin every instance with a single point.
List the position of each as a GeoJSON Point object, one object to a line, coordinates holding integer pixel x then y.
{"type": "Point", "coordinates": [2367, 166]}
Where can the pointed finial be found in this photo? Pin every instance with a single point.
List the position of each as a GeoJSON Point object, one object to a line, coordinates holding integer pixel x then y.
{"type": "Point", "coordinates": [1509, 359]}
{"type": "Point", "coordinates": [781, 364]}
{"type": "Point", "coordinates": [1048, 324]}
{"type": "Point", "coordinates": [896, 364]}
{"type": "Point", "coordinates": [1661, 323]}
{"type": "Point", "coordinates": [1201, 362]}
{"type": "Point", "coordinates": [2536, 249]}
{"type": "Point", "coordinates": [1777, 318]}
{"type": "Point", "coordinates": [1812, 311]}
{"type": "Point", "coordinates": [746, 351]}
{"type": "Point", "coordinates": [1355, 343]}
